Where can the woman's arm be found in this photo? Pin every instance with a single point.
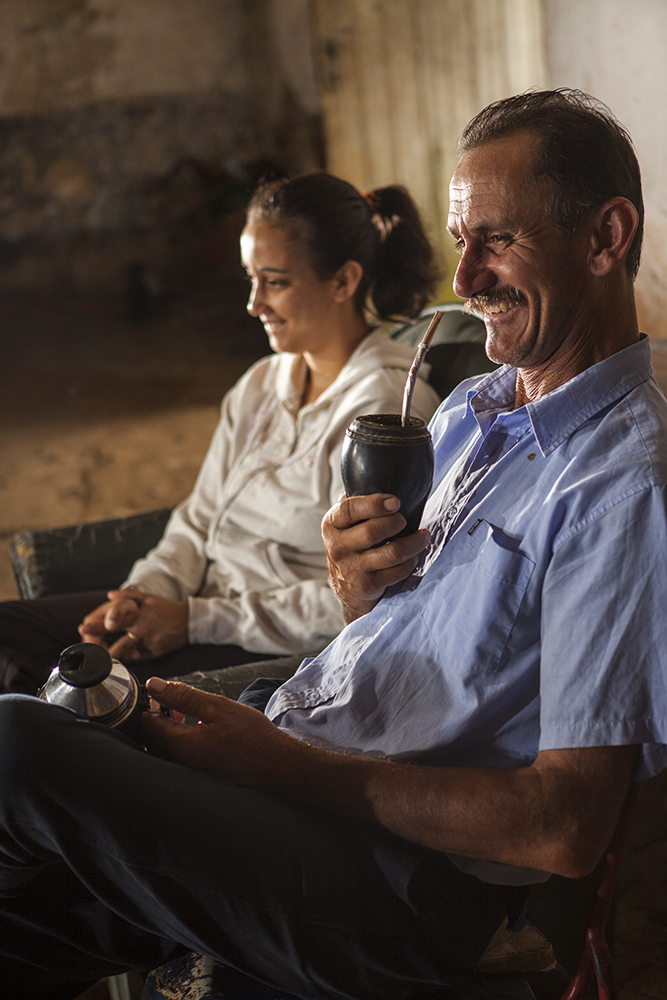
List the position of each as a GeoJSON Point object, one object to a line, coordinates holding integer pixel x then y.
{"type": "Point", "coordinates": [176, 567]}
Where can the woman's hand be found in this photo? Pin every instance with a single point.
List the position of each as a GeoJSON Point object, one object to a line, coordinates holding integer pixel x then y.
{"type": "Point", "coordinates": [152, 626]}
{"type": "Point", "coordinates": [360, 566]}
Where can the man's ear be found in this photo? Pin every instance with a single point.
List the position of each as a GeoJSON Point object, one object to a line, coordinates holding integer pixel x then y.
{"type": "Point", "coordinates": [614, 226]}
{"type": "Point", "coordinates": [347, 280]}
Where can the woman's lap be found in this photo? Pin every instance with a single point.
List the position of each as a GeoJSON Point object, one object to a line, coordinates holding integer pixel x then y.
{"type": "Point", "coordinates": [33, 633]}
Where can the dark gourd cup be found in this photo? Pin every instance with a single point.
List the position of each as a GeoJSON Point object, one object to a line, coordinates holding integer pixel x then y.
{"type": "Point", "coordinates": [380, 455]}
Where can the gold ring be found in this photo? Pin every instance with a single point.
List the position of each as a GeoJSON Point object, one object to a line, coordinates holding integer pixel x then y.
{"type": "Point", "coordinates": [133, 637]}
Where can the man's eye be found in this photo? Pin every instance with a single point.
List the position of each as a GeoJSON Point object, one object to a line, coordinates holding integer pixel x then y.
{"type": "Point", "coordinates": [500, 239]}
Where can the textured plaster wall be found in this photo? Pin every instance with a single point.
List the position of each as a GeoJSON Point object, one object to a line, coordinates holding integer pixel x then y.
{"type": "Point", "coordinates": [142, 121]}
{"type": "Point", "coordinates": [66, 53]}
{"type": "Point", "coordinates": [617, 50]}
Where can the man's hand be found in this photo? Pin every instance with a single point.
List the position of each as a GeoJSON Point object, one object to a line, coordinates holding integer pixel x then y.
{"type": "Point", "coordinates": [231, 741]}
{"type": "Point", "coordinates": [152, 625]}
{"type": "Point", "coordinates": [360, 566]}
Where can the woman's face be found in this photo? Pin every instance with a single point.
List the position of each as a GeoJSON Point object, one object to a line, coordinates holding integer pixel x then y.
{"type": "Point", "coordinates": [294, 304]}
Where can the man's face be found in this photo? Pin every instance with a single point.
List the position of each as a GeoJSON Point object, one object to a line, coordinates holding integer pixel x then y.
{"type": "Point", "coordinates": [527, 281]}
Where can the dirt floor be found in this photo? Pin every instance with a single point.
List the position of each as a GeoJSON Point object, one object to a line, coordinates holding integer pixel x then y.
{"type": "Point", "coordinates": [102, 416]}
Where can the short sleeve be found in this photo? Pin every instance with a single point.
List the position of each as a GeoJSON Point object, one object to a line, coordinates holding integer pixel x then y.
{"type": "Point", "coordinates": [604, 628]}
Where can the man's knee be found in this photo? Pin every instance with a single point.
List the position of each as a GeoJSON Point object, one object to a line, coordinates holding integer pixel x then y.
{"type": "Point", "coordinates": [18, 711]}
{"type": "Point", "coordinates": [28, 729]}
{"type": "Point", "coordinates": [19, 673]}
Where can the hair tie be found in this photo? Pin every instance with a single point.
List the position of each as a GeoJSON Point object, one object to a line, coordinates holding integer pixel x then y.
{"type": "Point", "coordinates": [372, 201]}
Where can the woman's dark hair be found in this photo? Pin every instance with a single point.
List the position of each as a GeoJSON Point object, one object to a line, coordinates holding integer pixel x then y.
{"type": "Point", "coordinates": [583, 148]}
{"type": "Point", "coordinates": [381, 230]}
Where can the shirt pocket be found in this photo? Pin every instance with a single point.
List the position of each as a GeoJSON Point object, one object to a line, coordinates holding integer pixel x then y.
{"type": "Point", "coordinates": [487, 577]}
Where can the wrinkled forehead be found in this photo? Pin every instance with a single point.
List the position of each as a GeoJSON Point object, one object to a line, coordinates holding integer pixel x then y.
{"type": "Point", "coordinates": [495, 183]}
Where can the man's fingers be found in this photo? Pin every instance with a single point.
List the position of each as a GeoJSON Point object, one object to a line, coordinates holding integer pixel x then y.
{"type": "Point", "coordinates": [183, 698]}
{"type": "Point", "coordinates": [370, 555]}
{"type": "Point", "coordinates": [227, 739]}
{"type": "Point", "coordinates": [363, 555]}
{"type": "Point", "coordinates": [163, 736]}
{"type": "Point", "coordinates": [94, 621]}
{"type": "Point", "coordinates": [399, 551]}
{"type": "Point", "coordinates": [360, 537]}
{"type": "Point", "coordinates": [358, 524]}
{"type": "Point", "coordinates": [374, 533]}
{"type": "Point", "coordinates": [351, 510]}
{"type": "Point", "coordinates": [388, 577]}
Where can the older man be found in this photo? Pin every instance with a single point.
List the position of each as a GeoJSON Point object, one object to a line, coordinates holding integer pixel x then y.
{"type": "Point", "coordinates": [501, 682]}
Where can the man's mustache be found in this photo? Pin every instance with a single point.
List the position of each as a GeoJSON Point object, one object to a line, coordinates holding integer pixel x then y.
{"type": "Point", "coordinates": [477, 305]}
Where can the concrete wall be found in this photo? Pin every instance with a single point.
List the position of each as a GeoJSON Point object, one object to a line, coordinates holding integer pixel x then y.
{"type": "Point", "coordinates": [617, 50]}
{"type": "Point", "coordinates": [144, 120]}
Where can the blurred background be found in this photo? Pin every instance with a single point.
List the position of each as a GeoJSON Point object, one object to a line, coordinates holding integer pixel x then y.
{"type": "Point", "coordinates": [131, 133]}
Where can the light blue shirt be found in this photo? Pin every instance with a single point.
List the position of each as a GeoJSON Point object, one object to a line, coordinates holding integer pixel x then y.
{"type": "Point", "coordinates": [536, 619]}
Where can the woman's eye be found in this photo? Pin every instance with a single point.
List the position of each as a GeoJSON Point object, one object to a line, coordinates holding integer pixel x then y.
{"type": "Point", "coordinates": [268, 282]}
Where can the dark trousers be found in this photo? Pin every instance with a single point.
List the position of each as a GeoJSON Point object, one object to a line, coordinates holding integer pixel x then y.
{"type": "Point", "coordinates": [112, 859]}
{"type": "Point", "coordinates": [34, 633]}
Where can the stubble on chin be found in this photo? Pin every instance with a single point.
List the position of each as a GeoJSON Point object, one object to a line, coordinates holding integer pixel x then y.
{"type": "Point", "coordinates": [504, 349]}
{"type": "Point", "coordinates": [500, 347]}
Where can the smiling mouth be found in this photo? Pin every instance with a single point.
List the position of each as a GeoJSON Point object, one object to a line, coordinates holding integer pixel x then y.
{"type": "Point", "coordinates": [271, 325]}
{"type": "Point", "coordinates": [500, 300]}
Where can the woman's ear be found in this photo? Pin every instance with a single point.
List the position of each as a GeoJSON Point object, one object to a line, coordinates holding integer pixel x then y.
{"type": "Point", "coordinates": [614, 227]}
{"type": "Point", "coordinates": [347, 280]}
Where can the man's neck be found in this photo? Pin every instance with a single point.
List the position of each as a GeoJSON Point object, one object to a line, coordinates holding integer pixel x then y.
{"type": "Point", "coordinates": [612, 327]}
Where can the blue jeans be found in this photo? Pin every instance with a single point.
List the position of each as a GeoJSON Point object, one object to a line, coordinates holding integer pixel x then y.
{"type": "Point", "coordinates": [112, 859]}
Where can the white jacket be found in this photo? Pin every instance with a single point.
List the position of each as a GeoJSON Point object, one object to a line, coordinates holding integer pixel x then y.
{"type": "Point", "coordinates": [245, 548]}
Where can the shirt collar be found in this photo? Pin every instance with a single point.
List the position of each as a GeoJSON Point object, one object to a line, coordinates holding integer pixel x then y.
{"type": "Point", "coordinates": [557, 415]}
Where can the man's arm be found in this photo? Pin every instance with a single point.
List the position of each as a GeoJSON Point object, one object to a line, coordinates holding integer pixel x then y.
{"type": "Point", "coordinates": [556, 815]}
{"type": "Point", "coordinates": [362, 562]}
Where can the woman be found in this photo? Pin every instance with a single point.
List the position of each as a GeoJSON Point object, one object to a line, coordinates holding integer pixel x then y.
{"type": "Point", "coordinates": [240, 572]}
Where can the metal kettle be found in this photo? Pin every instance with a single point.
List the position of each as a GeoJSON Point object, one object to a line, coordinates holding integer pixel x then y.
{"type": "Point", "coordinates": [90, 683]}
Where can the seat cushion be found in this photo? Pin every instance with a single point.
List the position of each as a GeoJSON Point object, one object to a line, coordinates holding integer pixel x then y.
{"type": "Point", "coordinates": [93, 556]}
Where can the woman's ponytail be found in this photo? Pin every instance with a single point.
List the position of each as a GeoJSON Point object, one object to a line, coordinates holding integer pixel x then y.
{"type": "Point", "coordinates": [406, 268]}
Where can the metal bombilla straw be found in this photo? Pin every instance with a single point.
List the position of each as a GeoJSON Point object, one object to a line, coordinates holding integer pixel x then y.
{"type": "Point", "coordinates": [416, 365]}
